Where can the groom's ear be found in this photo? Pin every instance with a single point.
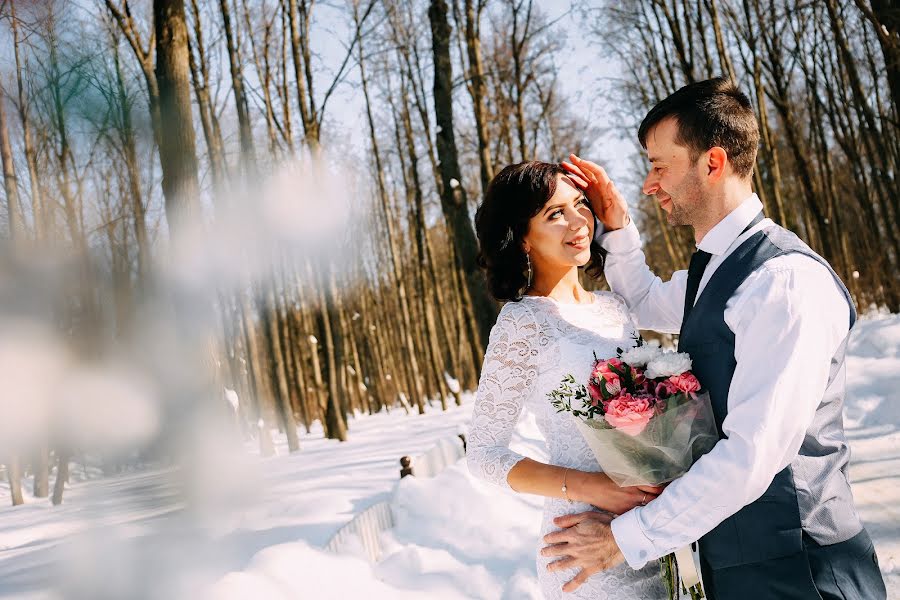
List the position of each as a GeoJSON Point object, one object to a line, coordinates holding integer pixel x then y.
{"type": "Point", "coordinates": [716, 162]}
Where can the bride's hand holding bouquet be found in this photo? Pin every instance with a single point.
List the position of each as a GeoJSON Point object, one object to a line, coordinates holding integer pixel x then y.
{"type": "Point", "coordinates": [646, 420]}
{"type": "Point", "coordinates": [604, 493]}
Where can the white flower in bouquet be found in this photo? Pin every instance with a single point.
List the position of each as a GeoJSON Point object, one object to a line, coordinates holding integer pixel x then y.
{"type": "Point", "coordinates": [639, 356]}
{"type": "Point", "coordinates": [668, 364]}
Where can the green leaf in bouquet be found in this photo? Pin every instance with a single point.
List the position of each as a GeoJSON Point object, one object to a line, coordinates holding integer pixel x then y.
{"type": "Point", "coordinates": [617, 370]}
{"type": "Point", "coordinates": [625, 375]}
{"type": "Point", "coordinates": [669, 573]}
{"type": "Point", "coordinates": [603, 391]}
{"type": "Point", "coordinates": [568, 389]}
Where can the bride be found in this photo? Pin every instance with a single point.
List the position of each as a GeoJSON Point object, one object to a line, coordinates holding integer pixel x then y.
{"type": "Point", "coordinates": [535, 229]}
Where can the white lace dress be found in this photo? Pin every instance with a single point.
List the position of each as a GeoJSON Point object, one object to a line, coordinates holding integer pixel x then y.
{"type": "Point", "coordinates": [533, 345]}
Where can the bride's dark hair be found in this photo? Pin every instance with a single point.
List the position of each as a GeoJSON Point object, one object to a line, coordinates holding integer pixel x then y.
{"type": "Point", "coordinates": [513, 197]}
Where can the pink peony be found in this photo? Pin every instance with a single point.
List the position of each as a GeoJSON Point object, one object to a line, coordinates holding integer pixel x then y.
{"type": "Point", "coordinates": [686, 382]}
{"type": "Point", "coordinates": [629, 414]}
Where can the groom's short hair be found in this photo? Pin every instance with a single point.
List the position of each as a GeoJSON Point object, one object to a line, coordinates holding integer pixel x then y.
{"type": "Point", "coordinates": [710, 113]}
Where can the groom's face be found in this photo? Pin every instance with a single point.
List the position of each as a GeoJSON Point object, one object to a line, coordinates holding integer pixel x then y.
{"type": "Point", "coordinates": [674, 179]}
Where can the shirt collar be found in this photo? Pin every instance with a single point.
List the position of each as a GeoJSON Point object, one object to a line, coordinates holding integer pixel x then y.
{"type": "Point", "coordinates": [720, 237]}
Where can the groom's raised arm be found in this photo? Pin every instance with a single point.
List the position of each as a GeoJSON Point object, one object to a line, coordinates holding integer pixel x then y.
{"type": "Point", "coordinates": [789, 318]}
{"type": "Point", "coordinates": [654, 303]}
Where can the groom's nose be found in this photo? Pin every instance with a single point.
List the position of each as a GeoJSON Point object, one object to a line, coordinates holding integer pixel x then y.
{"type": "Point", "coordinates": [651, 184]}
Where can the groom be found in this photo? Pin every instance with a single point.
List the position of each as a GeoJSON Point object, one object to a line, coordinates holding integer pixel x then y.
{"type": "Point", "coordinates": [766, 321]}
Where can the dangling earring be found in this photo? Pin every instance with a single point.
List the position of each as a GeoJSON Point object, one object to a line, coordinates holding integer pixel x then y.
{"type": "Point", "coordinates": [530, 271]}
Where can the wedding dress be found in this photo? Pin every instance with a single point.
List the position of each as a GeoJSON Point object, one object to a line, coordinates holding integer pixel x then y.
{"type": "Point", "coordinates": [534, 344]}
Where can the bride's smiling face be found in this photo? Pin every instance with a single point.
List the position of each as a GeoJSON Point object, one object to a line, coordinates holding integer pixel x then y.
{"type": "Point", "coordinates": [560, 234]}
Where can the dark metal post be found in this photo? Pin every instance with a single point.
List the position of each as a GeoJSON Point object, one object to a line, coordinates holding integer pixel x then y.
{"type": "Point", "coordinates": [405, 466]}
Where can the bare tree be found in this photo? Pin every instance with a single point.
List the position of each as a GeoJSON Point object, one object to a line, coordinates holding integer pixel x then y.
{"type": "Point", "coordinates": [453, 195]}
{"type": "Point", "coordinates": [177, 153]}
{"type": "Point", "coordinates": [10, 183]}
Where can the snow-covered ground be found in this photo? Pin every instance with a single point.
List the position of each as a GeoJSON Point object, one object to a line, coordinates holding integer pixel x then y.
{"type": "Point", "coordinates": [140, 536]}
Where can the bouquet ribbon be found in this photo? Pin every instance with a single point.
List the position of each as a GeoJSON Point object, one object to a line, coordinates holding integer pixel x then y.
{"type": "Point", "coordinates": [688, 569]}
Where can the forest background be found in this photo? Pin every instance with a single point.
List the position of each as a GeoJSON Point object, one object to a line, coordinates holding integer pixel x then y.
{"type": "Point", "coordinates": [275, 197]}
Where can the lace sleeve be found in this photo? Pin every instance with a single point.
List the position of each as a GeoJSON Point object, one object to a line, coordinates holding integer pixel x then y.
{"type": "Point", "coordinates": [507, 378]}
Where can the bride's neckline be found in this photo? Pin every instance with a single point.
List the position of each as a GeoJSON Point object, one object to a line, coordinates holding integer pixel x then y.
{"type": "Point", "coordinates": [593, 301]}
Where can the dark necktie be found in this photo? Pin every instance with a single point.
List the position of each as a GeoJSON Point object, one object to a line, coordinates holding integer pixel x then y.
{"type": "Point", "coordinates": [695, 273]}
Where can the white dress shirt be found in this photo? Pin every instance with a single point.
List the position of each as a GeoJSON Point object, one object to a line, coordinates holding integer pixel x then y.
{"type": "Point", "coordinates": [789, 318]}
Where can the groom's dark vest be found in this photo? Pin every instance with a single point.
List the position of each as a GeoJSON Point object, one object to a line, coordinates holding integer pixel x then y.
{"type": "Point", "coordinates": [810, 499]}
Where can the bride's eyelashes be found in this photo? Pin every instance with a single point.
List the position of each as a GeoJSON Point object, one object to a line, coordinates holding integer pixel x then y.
{"type": "Point", "coordinates": [558, 212]}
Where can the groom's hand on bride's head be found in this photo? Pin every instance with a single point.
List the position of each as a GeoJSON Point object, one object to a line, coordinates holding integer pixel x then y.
{"type": "Point", "coordinates": [585, 542]}
{"type": "Point", "coordinates": [607, 203]}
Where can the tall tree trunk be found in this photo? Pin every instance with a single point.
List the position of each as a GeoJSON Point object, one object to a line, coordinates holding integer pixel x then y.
{"type": "Point", "coordinates": [724, 58]}
{"type": "Point", "coordinates": [873, 137]}
{"type": "Point", "coordinates": [144, 56]}
{"type": "Point", "coordinates": [14, 477]}
{"type": "Point", "coordinates": [212, 133]}
{"type": "Point", "coordinates": [768, 155]}
{"type": "Point", "coordinates": [263, 395]}
{"type": "Point", "coordinates": [72, 206]}
{"type": "Point", "coordinates": [780, 95]}
{"type": "Point", "coordinates": [421, 268]}
{"type": "Point", "coordinates": [129, 148]}
{"type": "Point", "coordinates": [519, 46]}
{"type": "Point", "coordinates": [297, 12]}
{"type": "Point", "coordinates": [885, 15]}
{"type": "Point", "coordinates": [476, 87]}
{"type": "Point", "coordinates": [680, 41]}
{"type": "Point", "coordinates": [283, 87]}
{"type": "Point", "coordinates": [62, 476]}
{"type": "Point", "coordinates": [308, 396]}
{"type": "Point", "coordinates": [770, 152]}
{"type": "Point", "coordinates": [37, 208]}
{"type": "Point", "coordinates": [264, 74]}
{"type": "Point", "coordinates": [426, 259]}
{"type": "Point", "coordinates": [245, 129]}
{"type": "Point", "coordinates": [392, 233]}
{"type": "Point", "coordinates": [408, 56]}
{"type": "Point", "coordinates": [10, 183]}
{"type": "Point", "coordinates": [177, 152]}
{"type": "Point", "coordinates": [41, 469]}
{"type": "Point", "coordinates": [335, 424]}
{"type": "Point", "coordinates": [290, 348]}
{"type": "Point", "coordinates": [453, 197]}
{"type": "Point", "coordinates": [278, 354]}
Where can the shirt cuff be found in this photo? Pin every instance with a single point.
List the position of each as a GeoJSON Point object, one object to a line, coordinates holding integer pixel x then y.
{"type": "Point", "coordinates": [636, 547]}
{"type": "Point", "coordinates": [621, 240]}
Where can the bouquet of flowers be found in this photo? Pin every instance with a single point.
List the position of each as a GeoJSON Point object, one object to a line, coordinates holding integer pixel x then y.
{"type": "Point", "coordinates": [647, 420]}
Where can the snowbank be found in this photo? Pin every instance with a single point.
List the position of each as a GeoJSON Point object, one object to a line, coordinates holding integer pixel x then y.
{"type": "Point", "coordinates": [454, 537]}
